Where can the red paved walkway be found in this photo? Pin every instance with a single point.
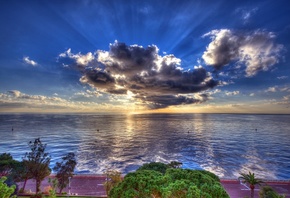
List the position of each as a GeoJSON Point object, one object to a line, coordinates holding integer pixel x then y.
{"type": "Point", "coordinates": [93, 185]}
{"type": "Point", "coordinates": [80, 185]}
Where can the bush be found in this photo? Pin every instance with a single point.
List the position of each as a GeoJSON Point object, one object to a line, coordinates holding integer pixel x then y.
{"type": "Point", "coordinates": [269, 192]}
{"type": "Point", "coordinates": [5, 190]}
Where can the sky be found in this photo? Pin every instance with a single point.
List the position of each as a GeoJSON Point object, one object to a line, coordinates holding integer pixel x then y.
{"type": "Point", "coordinates": [125, 56]}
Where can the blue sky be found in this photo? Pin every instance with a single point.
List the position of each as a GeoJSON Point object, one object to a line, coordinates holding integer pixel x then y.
{"type": "Point", "coordinates": [198, 56]}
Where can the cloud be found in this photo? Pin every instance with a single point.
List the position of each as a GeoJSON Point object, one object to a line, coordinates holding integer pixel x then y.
{"type": "Point", "coordinates": [271, 89]}
{"type": "Point", "coordinates": [282, 77]}
{"type": "Point", "coordinates": [15, 93]}
{"type": "Point", "coordinates": [232, 93]}
{"type": "Point", "coordinates": [162, 101]}
{"type": "Point", "coordinates": [88, 94]}
{"type": "Point", "coordinates": [286, 98]}
{"type": "Point", "coordinates": [214, 92]}
{"type": "Point", "coordinates": [277, 89]}
{"type": "Point", "coordinates": [246, 14]}
{"type": "Point", "coordinates": [16, 101]}
{"type": "Point", "coordinates": [285, 102]}
{"type": "Point", "coordinates": [18, 95]}
{"type": "Point", "coordinates": [80, 59]}
{"type": "Point", "coordinates": [28, 61]}
{"type": "Point", "coordinates": [154, 80]}
{"type": "Point", "coordinates": [256, 50]}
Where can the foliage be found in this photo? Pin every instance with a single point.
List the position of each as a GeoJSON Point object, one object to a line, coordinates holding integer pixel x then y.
{"type": "Point", "coordinates": [5, 190]}
{"type": "Point", "coordinates": [14, 170]}
{"type": "Point", "coordinates": [11, 182]}
{"type": "Point", "coordinates": [113, 178]}
{"type": "Point", "coordinates": [156, 166]}
{"type": "Point", "coordinates": [7, 164]}
{"type": "Point", "coordinates": [52, 190]}
{"type": "Point", "coordinates": [250, 179]}
{"type": "Point", "coordinates": [9, 168]}
{"type": "Point", "coordinates": [65, 170]}
{"type": "Point", "coordinates": [181, 183]}
{"type": "Point", "coordinates": [21, 173]}
{"type": "Point", "coordinates": [138, 184]}
{"type": "Point", "coordinates": [175, 164]}
{"type": "Point", "coordinates": [268, 192]}
{"type": "Point", "coordinates": [37, 162]}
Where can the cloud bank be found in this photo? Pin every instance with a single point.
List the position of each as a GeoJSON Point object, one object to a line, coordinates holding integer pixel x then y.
{"type": "Point", "coordinates": [154, 80]}
{"type": "Point", "coordinates": [17, 101]}
{"type": "Point", "coordinates": [256, 50]}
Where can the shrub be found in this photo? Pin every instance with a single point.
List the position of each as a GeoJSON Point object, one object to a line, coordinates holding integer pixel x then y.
{"type": "Point", "coordinates": [269, 192]}
{"type": "Point", "coordinates": [5, 190]}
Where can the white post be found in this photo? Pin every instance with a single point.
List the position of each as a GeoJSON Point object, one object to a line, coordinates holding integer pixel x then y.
{"type": "Point", "coordinates": [69, 185]}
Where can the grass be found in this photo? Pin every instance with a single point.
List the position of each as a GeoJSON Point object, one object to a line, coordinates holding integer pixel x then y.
{"type": "Point", "coordinates": [63, 196]}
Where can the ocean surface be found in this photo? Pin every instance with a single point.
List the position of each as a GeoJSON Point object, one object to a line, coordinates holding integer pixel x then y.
{"type": "Point", "coordinates": [226, 144]}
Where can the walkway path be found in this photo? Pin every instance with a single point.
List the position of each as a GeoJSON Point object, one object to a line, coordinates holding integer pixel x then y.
{"type": "Point", "coordinates": [237, 190]}
{"type": "Point", "coordinates": [93, 185]}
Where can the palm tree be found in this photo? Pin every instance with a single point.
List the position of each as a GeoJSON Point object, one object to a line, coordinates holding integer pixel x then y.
{"type": "Point", "coordinates": [250, 179]}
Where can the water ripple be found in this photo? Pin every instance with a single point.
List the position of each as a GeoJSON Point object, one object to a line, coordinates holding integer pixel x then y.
{"type": "Point", "coordinates": [225, 144]}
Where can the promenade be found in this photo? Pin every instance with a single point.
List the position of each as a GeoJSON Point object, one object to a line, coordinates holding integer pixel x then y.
{"type": "Point", "coordinates": [92, 185]}
{"type": "Point", "coordinates": [237, 190]}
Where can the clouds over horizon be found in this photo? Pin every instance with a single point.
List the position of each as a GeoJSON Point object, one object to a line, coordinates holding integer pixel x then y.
{"type": "Point", "coordinates": [153, 80]}
{"type": "Point", "coordinates": [257, 50]}
{"type": "Point", "coordinates": [15, 100]}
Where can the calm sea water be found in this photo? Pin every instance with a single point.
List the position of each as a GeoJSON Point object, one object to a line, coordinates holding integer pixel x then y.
{"type": "Point", "coordinates": [225, 144]}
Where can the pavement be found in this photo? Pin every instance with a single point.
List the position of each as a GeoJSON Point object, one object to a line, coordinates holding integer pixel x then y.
{"type": "Point", "coordinates": [236, 189]}
{"type": "Point", "coordinates": [89, 185]}
{"type": "Point", "coordinates": [92, 185]}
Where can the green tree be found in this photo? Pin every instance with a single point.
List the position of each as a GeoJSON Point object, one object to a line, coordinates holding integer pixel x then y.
{"type": "Point", "coordinates": [175, 164]}
{"type": "Point", "coordinates": [113, 178]}
{"type": "Point", "coordinates": [11, 169]}
{"type": "Point", "coordinates": [269, 192]}
{"type": "Point", "coordinates": [251, 180]}
{"type": "Point", "coordinates": [37, 162]}
{"type": "Point", "coordinates": [178, 188]}
{"type": "Point", "coordinates": [20, 173]}
{"type": "Point", "coordinates": [7, 164]}
{"type": "Point", "coordinates": [174, 183]}
{"type": "Point", "coordinates": [142, 183]}
{"type": "Point", "coordinates": [156, 166]}
{"type": "Point", "coordinates": [65, 170]}
{"type": "Point", "coordinates": [5, 190]}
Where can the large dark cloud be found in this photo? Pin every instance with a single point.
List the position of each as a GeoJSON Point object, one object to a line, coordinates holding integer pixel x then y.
{"type": "Point", "coordinates": [162, 101]}
{"type": "Point", "coordinates": [158, 81]}
{"type": "Point", "coordinates": [256, 50]}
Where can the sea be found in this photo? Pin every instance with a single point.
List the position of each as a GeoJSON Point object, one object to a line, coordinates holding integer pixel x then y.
{"type": "Point", "coordinates": [225, 144]}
